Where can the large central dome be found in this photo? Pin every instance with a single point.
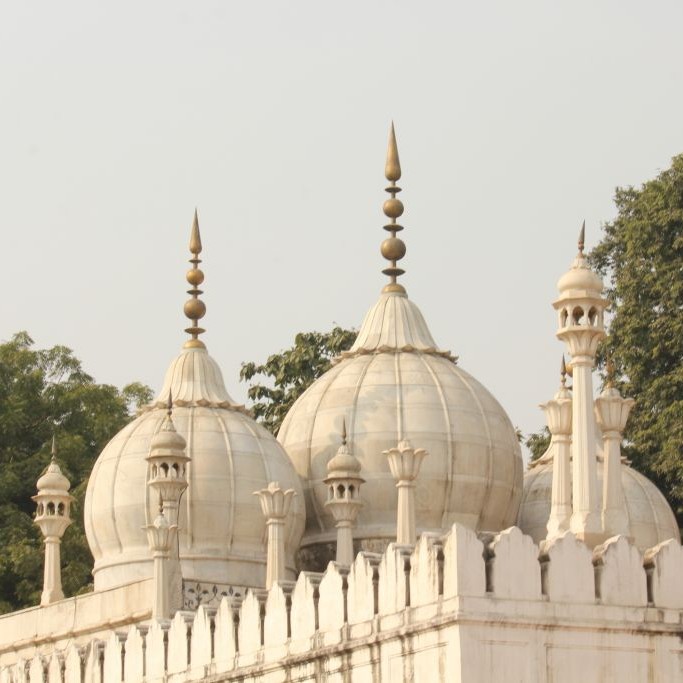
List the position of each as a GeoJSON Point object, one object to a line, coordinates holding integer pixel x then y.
{"type": "Point", "coordinates": [396, 384]}
{"type": "Point", "coordinates": [392, 385]}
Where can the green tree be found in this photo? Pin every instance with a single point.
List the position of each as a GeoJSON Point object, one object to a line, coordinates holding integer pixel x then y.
{"type": "Point", "coordinates": [538, 443]}
{"type": "Point", "coordinates": [289, 373]}
{"type": "Point", "coordinates": [45, 392]}
{"type": "Point", "coordinates": [641, 254]}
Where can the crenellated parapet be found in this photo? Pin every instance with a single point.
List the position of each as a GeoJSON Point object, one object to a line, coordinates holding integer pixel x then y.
{"type": "Point", "coordinates": [426, 606]}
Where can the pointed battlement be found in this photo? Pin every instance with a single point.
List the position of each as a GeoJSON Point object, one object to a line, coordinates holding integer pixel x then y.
{"type": "Point", "coordinates": [419, 598]}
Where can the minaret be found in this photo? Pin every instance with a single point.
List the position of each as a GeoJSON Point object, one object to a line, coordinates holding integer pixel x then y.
{"type": "Point", "coordinates": [393, 248]}
{"type": "Point", "coordinates": [580, 309]}
{"type": "Point", "coordinates": [558, 413]}
{"type": "Point", "coordinates": [343, 497]}
{"type": "Point", "coordinates": [166, 481]}
{"type": "Point", "coordinates": [195, 308]}
{"type": "Point", "coordinates": [275, 505]}
{"type": "Point", "coordinates": [52, 516]}
{"type": "Point", "coordinates": [611, 412]}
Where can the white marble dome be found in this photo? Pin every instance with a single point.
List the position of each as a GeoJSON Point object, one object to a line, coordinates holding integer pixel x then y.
{"type": "Point", "coordinates": [650, 518]}
{"type": "Point", "coordinates": [394, 383]}
{"type": "Point", "coordinates": [222, 530]}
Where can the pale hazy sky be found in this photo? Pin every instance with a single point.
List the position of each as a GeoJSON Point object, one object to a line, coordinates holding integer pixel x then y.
{"type": "Point", "coordinates": [515, 121]}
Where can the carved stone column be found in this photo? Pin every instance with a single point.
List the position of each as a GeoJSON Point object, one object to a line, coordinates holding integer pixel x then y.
{"type": "Point", "coordinates": [612, 411]}
{"type": "Point", "coordinates": [405, 462]}
{"type": "Point", "coordinates": [275, 505]}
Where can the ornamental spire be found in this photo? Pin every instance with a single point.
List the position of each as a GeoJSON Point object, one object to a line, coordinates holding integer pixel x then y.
{"type": "Point", "coordinates": [582, 238]}
{"type": "Point", "coordinates": [563, 372]}
{"type": "Point", "coordinates": [195, 308]}
{"type": "Point", "coordinates": [393, 249]}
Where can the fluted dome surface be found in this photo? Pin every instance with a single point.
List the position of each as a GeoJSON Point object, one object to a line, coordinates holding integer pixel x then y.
{"type": "Point", "coordinates": [393, 384]}
{"type": "Point", "coordinates": [222, 531]}
{"type": "Point", "coordinates": [650, 518]}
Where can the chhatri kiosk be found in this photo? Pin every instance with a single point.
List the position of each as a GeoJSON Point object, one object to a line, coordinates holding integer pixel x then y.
{"type": "Point", "coordinates": [388, 534]}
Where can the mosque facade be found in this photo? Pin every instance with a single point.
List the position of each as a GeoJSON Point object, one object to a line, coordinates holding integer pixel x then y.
{"type": "Point", "coordinates": [389, 533]}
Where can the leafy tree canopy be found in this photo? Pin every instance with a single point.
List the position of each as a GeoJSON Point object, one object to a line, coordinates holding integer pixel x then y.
{"type": "Point", "coordinates": [289, 373]}
{"type": "Point", "coordinates": [45, 392]}
{"type": "Point", "coordinates": [641, 254]}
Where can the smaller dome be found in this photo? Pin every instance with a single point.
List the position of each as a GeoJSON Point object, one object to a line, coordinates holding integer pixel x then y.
{"type": "Point", "coordinates": [650, 518]}
{"type": "Point", "coordinates": [580, 278]}
{"type": "Point", "coordinates": [167, 441]}
{"type": "Point", "coordinates": [52, 480]}
{"type": "Point", "coordinates": [343, 464]}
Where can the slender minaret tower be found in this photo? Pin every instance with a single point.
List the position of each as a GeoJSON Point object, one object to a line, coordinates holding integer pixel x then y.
{"type": "Point", "coordinates": [611, 412]}
{"type": "Point", "coordinates": [343, 497]}
{"type": "Point", "coordinates": [166, 480]}
{"type": "Point", "coordinates": [581, 309]}
{"type": "Point", "coordinates": [558, 413]}
{"type": "Point", "coordinates": [275, 505]}
{"type": "Point", "coordinates": [53, 504]}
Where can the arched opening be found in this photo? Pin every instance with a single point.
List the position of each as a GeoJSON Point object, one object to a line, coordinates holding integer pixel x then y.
{"type": "Point", "coordinates": [50, 508]}
{"type": "Point", "coordinates": [564, 315]}
{"type": "Point", "coordinates": [60, 509]}
{"type": "Point", "coordinates": [340, 491]}
{"type": "Point", "coordinates": [593, 316]}
{"type": "Point", "coordinates": [577, 315]}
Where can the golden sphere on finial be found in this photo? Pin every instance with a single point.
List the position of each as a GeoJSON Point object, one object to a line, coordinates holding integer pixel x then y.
{"type": "Point", "coordinates": [194, 309]}
{"type": "Point", "coordinates": [393, 249]}
{"type": "Point", "coordinates": [195, 276]}
{"type": "Point", "coordinates": [393, 207]}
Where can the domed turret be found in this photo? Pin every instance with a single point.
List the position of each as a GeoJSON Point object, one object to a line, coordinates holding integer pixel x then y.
{"type": "Point", "coordinates": [220, 527]}
{"type": "Point", "coordinates": [53, 504]}
{"type": "Point", "coordinates": [396, 384]}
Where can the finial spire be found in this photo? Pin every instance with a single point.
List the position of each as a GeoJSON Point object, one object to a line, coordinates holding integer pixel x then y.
{"type": "Point", "coordinates": [343, 434]}
{"type": "Point", "coordinates": [393, 249]}
{"type": "Point", "coordinates": [563, 371]}
{"type": "Point", "coordinates": [582, 238]}
{"type": "Point", "coordinates": [169, 404]}
{"type": "Point", "coordinates": [54, 448]}
{"type": "Point", "coordinates": [195, 308]}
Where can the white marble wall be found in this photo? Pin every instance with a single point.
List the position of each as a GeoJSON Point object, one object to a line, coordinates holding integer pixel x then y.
{"type": "Point", "coordinates": [456, 608]}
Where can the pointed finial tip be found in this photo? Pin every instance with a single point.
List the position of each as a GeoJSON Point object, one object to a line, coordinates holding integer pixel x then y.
{"type": "Point", "coordinates": [343, 434]}
{"type": "Point", "coordinates": [169, 404]}
{"type": "Point", "coordinates": [195, 237]}
{"type": "Point", "coordinates": [392, 169]}
{"type": "Point", "coordinates": [563, 371]}
{"type": "Point", "coordinates": [195, 308]}
{"type": "Point", "coordinates": [582, 237]}
{"type": "Point", "coordinates": [54, 447]}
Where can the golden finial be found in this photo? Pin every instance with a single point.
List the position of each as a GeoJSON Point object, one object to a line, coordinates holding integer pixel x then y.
{"type": "Point", "coordinates": [195, 308]}
{"type": "Point", "coordinates": [343, 434]}
{"type": "Point", "coordinates": [169, 404]}
{"type": "Point", "coordinates": [54, 448]}
{"type": "Point", "coordinates": [393, 249]}
{"type": "Point", "coordinates": [582, 238]}
{"type": "Point", "coordinates": [563, 371]}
